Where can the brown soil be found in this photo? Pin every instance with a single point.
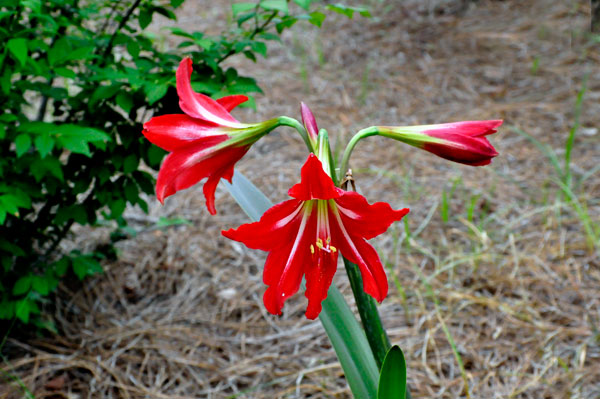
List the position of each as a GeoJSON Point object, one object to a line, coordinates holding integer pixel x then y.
{"type": "Point", "coordinates": [179, 315]}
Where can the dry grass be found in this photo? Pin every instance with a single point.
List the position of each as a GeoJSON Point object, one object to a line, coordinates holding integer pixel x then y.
{"type": "Point", "coordinates": [179, 315]}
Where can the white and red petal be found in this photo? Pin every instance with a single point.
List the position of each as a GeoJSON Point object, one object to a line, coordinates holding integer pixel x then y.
{"type": "Point", "coordinates": [358, 251]}
{"type": "Point", "coordinates": [273, 230]}
{"type": "Point", "coordinates": [358, 215]}
{"type": "Point", "coordinates": [185, 167]}
{"type": "Point", "coordinates": [198, 105]}
{"type": "Point", "coordinates": [174, 131]}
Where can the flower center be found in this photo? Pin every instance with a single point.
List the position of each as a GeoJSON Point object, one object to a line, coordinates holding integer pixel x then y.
{"type": "Point", "coordinates": [327, 247]}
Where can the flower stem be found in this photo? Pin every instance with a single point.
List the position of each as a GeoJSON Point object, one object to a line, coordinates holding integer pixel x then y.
{"type": "Point", "coordinates": [291, 122]}
{"type": "Point", "coordinates": [367, 308]}
{"type": "Point", "coordinates": [370, 131]}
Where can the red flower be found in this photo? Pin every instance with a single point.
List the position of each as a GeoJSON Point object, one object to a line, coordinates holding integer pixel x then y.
{"type": "Point", "coordinates": [304, 236]}
{"type": "Point", "coordinates": [462, 142]}
{"type": "Point", "coordinates": [206, 141]}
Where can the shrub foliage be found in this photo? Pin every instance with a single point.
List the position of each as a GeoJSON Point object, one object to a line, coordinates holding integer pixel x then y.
{"type": "Point", "coordinates": [77, 80]}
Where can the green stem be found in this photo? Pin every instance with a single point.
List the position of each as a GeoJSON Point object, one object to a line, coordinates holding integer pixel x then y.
{"type": "Point", "coordinates": [370, 131]}
{"type": "Point", "coordinates": [291, 122]}
{"type": "Point", "coordinates": [367, 308]}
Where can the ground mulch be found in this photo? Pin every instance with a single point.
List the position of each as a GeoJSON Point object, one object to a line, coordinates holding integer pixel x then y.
{"type": "Point", "coordinates": [496, 256]}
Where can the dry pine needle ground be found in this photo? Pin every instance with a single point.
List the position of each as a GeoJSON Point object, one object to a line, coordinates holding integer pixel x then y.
{"type": "Point", "coordinates": [508, 272]}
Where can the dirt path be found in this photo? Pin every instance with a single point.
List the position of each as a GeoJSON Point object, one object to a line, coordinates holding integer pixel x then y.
{"type": "Point", "coordinates": [180, 314]}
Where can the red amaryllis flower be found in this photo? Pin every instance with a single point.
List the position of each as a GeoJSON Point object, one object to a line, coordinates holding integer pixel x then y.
{"type": "Point", "coordinates": [304, 236]}
{"type": "Point", "coordinates": [206, 141]}
{"type": "Point", "coordinates": [462, 142]}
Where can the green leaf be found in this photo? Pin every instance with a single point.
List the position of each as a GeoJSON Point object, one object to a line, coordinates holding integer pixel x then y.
{"type": "Point", "coordinates": [166, 222]}
{"type": "Point", "coordinates": [18, 48]}
{"type": "Point", "coordinates": [392, 381]}
{"type": "Point", "coordinates": [131, 192]}
{"type": "Point", "coordinates": [287, 22]}
{"type": "Point", "coordinates": [317, 18]}
{"type": "Point", "coordinates": [85, 265]}
{"type": "Point", "coordinates": [61, 266]}
{"type": "Point", "coordinates": [117, 207]}
{"type": "Point", "coordinates": [145, 18]}
{"type": "Point", "coordinates": [54, 166]}
{"type": "Point", "coordinates": [65, 72]}
{"type": "Point", "coordinates": [133, 49]}
{"type": "Point", "coordinates": [40, 285]}
{"type": "Point", "coordinates": [76, 138]}
{"type": "Point", "coordinates": [80, 53]}
{"type": "Point", "coordinates": [176, 3]}
{"type": "Point", "coordinates": [155, 92]}
{"type": "Point", "coordinates": [238, 8]}
{"type": "Point", "coordinates": [103, 93]}
{"type": "Point", "coordinates": [260, 48]}
{"type": "Point", "coordinates": [22, 143]}
{"type": "Point", "coordinates": [44, 144]}
{"type": "Point", "coordinates": [10, 247]}
{"type": "Point", "coordinates": [275, 5]}
{"type": "Point", "coordinates": [303, 3]}
{"type": "Point", "coordinates": [125, 101]}
{"type": "Point", "coordinates": [23, 310]}
{"type": "Point", "coordinates": [130, 163]}
{"type": "Point", "coordinates": [349, 11]}
{"type": "Point", "coordinates": [59, 51]}
{"type": "Point", "coordinates": [22, 285]}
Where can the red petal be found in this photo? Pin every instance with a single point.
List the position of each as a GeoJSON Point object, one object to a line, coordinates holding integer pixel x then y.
{"type": "Point", "coordinates": [277, 227]}
{"type": "Point", "coordinates": [315, 183]}
{"type": "Point", "coordinates": [358, 251]}
{"type": "Point", "coordinates": [171, 132]}
{"type": "Point", "coordinates": [282, 231]}
{"type": "Point", "coordinates": [474, 151]}
{"type": "Point", "coordinates": [197, 105]}
{"type": "Point", "coordinates": [464, 128]}
{"type": "Point", "coordinates": [319, 274]}
{"type": "Point", "coordinates": [366, 220]}
{"type": "Point", "coordinates": [230, 102]}
{"type": "Point", "coordinates": [186, 167]}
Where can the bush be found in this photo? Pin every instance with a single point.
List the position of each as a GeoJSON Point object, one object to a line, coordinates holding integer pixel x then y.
{"type": "Point", "coordinates": [78, 79]}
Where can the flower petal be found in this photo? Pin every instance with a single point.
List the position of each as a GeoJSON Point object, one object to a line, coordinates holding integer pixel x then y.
{"type": "Point", "coordinates": [464, 128]}
{"type": "Point", "coordinates": [171, 132]}
{"type": "Point", "coordinates": [285, 267]}
{"type": "Point", "coordinates": [186, 167]}
{"type": "Point", "coordinates": [314, 183]}
{"type": "Point", "coordinates": [230, 102]}
{"type": "Point", "coordinates": [358, 251]}
{"type": "Point", "coordinates": [309, 121]}
{"type": "Point", "coordinates": [367, 220]}
{"type": "Point", "coordinates": [198, 105]}
{"type": "Point", "coordinates": [277, 227]}
{"type": "Point", "coordinates": [319, 275]}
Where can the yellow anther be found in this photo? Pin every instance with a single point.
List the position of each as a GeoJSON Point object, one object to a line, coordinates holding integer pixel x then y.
{"type": "Point", "coordinates": [312, 249]}
{"type": "Point", "coordinates": [333, 249]}
{"type": "Point", "coordinates": [319, 243]}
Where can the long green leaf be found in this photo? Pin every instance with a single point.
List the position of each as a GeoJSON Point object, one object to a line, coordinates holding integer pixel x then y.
{"type": "Point", "coordinates": [346, 336]}
{"type": "Point", "coordinates": [392, 381]}
{"type": "Point", "coordinates": [350, 344]}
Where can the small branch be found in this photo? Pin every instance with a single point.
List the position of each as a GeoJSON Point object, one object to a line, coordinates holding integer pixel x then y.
{"type": "Point", "coordinates": [126, 17]}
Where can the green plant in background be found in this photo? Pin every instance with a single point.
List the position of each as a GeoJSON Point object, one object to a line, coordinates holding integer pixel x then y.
{"type": "Point", "coordinates": [77, 79]}
{"type": "Point", "coordinates": [564, 174]}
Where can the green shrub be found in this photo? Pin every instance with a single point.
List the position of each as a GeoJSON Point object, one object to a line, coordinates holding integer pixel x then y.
{"type": "Point", "coordinates": [77, 80]}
